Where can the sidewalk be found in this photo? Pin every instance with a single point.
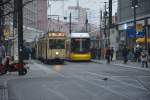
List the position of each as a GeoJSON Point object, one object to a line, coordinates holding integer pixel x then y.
{"type": "Point", "coordinates": [120, 63]}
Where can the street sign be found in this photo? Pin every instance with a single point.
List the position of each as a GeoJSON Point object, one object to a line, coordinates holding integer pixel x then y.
{"type": "Point", "coordinates": [140, 34]}
{"type": "Point", "coordinates": [7, 31]}
{"type": "Point", "coordinates": [133, 34]}
{"type": "Point", "coordinates": [139, 27]}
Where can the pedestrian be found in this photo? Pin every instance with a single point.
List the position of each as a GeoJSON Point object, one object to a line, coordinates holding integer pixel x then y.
{"type": "Point", "coordinates": [2, 53]}
{"type": "Point", "coordinates": [99, 53]}
{"type": "Point", "coordinates": [33, 53]}
{"type": "Point", "coordinates": [107, 56]}
{"type": "Point", "coordinates": [111, 53]}
{"type": "Point", "coordinates": [144, 58]}
{"type": "Point", "coordinates": [125, 54]}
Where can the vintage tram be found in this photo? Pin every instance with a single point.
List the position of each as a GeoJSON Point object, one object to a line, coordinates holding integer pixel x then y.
{"type": "Point", "coordinates": [51, 47]}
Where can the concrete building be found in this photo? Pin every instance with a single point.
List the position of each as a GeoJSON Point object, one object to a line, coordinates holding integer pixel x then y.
{"type": "Point", "coordinates": [42, 21]}
{"type": "Point", "coordinates": [126, 18]}
{"type": "Point", "coordinates": [35, 18]}
{"type": "Point", "coordinates": [79, 15]}
{"type": "Point", "coordinates": [34, 22]}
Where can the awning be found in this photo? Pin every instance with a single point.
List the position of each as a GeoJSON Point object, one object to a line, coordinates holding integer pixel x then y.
{"type": "Point", "coordinates": [142, 40]}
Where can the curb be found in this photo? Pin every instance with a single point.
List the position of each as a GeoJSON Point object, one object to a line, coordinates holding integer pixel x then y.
{"type": "Point", "coordinates": [121, 65]}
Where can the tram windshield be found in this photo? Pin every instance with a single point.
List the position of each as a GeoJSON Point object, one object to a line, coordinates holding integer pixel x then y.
{"type": "Point", "coordinates": [56, 43]}
{"type": "Point", "coordinates": [80, 45]}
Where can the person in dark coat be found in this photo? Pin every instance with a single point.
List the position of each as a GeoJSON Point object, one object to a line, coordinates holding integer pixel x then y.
{"type": "Point", "coordinates": [108, 54]}
{"type": "Point", "coordinates": [111, 53]}
{"type": "Point", "coordinates": [125, 54]}
{"type": "Point", "coordinates": [26, 53]}
{"type": "Point", "coordinates": [33, 53]}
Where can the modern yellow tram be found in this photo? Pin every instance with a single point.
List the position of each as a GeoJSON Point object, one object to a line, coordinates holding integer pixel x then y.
{"type": "Point", "coordinates": [79, 47]}
{"type": "Point", "coordinates": [51, 47]}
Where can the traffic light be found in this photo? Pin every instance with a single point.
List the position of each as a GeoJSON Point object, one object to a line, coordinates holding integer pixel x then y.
{"type": "Point", "coordinates": [65, 18]}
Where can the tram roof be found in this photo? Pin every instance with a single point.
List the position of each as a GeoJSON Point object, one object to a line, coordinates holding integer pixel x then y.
{"type": "Point", "coordinates": [80, 35]}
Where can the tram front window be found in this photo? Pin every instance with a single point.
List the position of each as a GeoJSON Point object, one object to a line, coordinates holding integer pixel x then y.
{"type": "Point", "coordinates": [56, 44]}
{"type": "Point", "coordinates": [80, 45]}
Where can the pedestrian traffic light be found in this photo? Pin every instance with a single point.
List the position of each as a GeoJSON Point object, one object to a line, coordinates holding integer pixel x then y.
{"type": "Point", "coordinates": [65, 18]}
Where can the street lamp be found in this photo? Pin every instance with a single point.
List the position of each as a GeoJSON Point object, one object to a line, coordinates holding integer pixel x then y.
{"type": "Point", "coordinates": [134, 6]}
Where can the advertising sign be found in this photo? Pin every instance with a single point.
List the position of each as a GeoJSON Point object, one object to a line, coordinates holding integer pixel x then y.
{"type": "Point", "coordinates": [131, 33]}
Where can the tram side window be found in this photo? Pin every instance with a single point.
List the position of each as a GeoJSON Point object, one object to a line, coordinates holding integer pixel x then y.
{"type": "Point", "coordinates": [51, 44]}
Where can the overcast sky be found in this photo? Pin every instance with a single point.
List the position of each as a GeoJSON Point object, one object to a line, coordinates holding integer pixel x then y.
{"type": "Point", "coordinates": [93, 5]}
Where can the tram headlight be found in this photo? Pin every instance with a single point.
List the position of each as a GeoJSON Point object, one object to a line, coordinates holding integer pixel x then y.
{"type": "Point", "coordinates": [57, 53]}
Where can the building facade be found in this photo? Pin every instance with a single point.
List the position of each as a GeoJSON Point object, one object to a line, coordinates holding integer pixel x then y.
{"type": "Point", "coordinates": [126, 20]}
{"type": "Point", "coordinates": [34, 18]}
{"type": "Point", "coordinates": [42, 21]}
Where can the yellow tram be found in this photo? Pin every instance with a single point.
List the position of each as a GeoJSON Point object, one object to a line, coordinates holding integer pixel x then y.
{"type": "Point", "coordinates": [79, 47]}
{"type": "Point", "coordinates": [51, 47]}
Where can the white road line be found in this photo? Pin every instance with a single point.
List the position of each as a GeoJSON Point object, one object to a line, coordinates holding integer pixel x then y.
{"type": "Point", "coordinates": [117, 80]}
{"type": "Point", "coordinates": [84, 88]}
{"type": "Point", "coordinates": [56, 92]}
{"type": "Point", "coordinates": [108, 89]}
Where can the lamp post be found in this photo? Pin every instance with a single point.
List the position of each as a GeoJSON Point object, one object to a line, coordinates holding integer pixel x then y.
{"type": "Point", "coordinates": [134, 6]}
{"type": "Point", "coordinates": [86, 23]}
{"type": "Point", "coordinates": [70, 18]}
{"type": "Point", "coordinates": [20, 30]}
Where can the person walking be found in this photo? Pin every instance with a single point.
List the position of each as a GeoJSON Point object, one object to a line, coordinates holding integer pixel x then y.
{"type": "Point", "coordinates": [111, 53]}
{"type": "Point", "coordinates": [144, 58]}
{"type": "Point", "coordinates": [125, 54]}
{"type": "Point", "coordinates": [107, 56]}
{"type": "Point", "coordinates": [2, 53]}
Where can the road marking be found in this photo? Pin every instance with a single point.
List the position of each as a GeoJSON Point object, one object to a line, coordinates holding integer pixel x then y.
{"type": "Point", "coordinates": [105, 88]}
{"type": "Point", "coordinates": [112, 78]}
{"type": "Point", "coordinates": [56, 92]}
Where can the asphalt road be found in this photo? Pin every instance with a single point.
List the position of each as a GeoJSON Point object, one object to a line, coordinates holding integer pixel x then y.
{"type": "Point", "coordinates": [79, 81]}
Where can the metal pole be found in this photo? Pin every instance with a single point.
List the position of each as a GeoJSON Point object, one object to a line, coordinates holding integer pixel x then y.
{"type": "Point", "coordinates": [58, 23]}
{"type": "Point", "coordinates": [134, 6]}
{"type": "Point", "coordinates": [146, 31]}
{"type": "Point", "coordinates": [100, 21]}
{"type": "Point", "coordinates": [70, 24]}
{"type": "Point", "coordinates": [105, 14]}
{"type": "Point", "coordinates": [110, 20]}
{"type": "Point", "coordinates": [99, 38]}
{"type": "Point", "coordinates": [20, 30]}
{"type": "Point", "coordinates": [50, 17]}
{"type": "Point", "coordinates": [1, 20]}
{"type": "Point", "coordinates": [86, 23]}
{"type": "Point", "coordinates": [135, 20]}
{"type": "Point", "coordinates": [14, 26]}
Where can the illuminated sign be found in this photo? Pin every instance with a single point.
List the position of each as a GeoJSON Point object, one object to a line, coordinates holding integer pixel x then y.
{"type": "Point", "coordinates": [56, 34]}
